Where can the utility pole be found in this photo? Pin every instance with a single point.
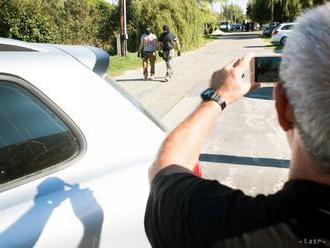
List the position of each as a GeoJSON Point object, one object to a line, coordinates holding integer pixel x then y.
{"type": "Point", "coordinates": [123, 28]}
{"type": "Point", "coordinates": [272, 11]}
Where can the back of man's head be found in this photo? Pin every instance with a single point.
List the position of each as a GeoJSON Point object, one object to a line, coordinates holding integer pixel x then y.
{"type": "Point", "coordinates": [166, 28]}
{"type": "Point", "coordinates": [305, 71]}
{"type": "Point", "coordinates": [147, 30]}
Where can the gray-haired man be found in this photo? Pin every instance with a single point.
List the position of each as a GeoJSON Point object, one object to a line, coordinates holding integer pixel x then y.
{"type": "Point", "coordinates": [186, 211]}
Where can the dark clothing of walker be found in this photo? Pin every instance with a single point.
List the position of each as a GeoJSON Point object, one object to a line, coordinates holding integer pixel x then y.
{"type": "Point", "coordinates": [168, 41]}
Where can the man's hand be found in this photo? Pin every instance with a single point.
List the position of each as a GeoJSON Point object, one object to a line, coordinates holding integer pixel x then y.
{"type": "Point", "coordinates": [179, 53]}
{"type": "Point", "coordinates": [229, 81]}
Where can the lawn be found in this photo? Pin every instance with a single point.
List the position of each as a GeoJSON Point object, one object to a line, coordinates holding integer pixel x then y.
{"type": "Point", "coordinates": [119, 65]}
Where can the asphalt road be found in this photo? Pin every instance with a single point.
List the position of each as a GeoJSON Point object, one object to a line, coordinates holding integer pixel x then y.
{"type": "Point", "coordinates": [246, 149]}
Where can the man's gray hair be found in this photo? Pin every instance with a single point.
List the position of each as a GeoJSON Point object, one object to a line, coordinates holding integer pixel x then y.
{"type": "Point", "coordinates": [305, 70]}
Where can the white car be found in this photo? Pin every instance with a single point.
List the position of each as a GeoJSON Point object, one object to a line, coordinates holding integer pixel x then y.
{"type": "Point", "coordinates": [74, 151]}
{"type": "Point", "coordinates": [225, 26]}
{"type": "Point", "coordinates": [281, 33]}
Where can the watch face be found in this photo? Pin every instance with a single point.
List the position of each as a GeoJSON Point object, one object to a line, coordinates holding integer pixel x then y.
{"type": "Point", "coordinates": [207, 94]}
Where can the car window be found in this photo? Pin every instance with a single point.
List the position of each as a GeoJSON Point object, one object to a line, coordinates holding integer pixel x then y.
{"type": "Point", "coordinates": [286, 27]}
{"type": "Point", "coordinates": [277, 27]}
{"type": "Point", "coordinates": [32, 136]}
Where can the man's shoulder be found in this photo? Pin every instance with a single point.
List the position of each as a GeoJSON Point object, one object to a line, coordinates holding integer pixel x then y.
{"type": "Point", "coordinates": [161, 36]}
{"type": "Point", "coordinates": [173, 36]}
{"type": "Point", "coordinates": [215, 212]}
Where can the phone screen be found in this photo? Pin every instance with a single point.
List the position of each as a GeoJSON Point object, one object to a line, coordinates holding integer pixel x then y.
{"type": "Point", "coordinates": [267, 69]}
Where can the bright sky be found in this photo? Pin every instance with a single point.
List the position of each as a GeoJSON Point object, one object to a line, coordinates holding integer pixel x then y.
{"type": "Point", "coordinates": [242, 3]}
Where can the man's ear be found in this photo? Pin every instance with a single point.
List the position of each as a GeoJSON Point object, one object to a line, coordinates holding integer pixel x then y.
{"type": "Point", "coordinates": [283, 108]}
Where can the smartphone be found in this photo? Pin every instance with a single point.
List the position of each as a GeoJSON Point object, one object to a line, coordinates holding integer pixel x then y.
{"type": "Point", "coordinates": [265, 69]}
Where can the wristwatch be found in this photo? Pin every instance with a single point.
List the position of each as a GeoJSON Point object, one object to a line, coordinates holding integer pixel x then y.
{"type": "Point", "coordinates": [212, 95]}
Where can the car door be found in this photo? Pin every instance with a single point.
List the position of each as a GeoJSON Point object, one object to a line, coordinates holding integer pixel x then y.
{"type": "Point", "coordinates": [286, 30]}
{"type": "Point", "coordinates": [36, 139]}
{"type": "Point", "coordinates": [95, 195]}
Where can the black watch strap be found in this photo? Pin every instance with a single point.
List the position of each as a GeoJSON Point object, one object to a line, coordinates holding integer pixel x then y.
{"type": "Point", "coordinates": [219, 99]}
{"type": "Point", "coordinates": [212, 95]}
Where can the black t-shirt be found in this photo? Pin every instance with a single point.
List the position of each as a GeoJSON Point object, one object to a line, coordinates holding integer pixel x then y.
{"type": "Point", "coordinates": [187, 211]}
{"type": "Point", "coordinates": [168, 40]}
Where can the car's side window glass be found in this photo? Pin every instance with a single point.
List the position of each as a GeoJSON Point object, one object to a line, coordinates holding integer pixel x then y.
{"type": "Point", "coordinates": [32, 136]}
{"type": "Point", "coordinates": [287, 27]}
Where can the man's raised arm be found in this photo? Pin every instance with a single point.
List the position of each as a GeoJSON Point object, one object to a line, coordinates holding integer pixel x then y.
{"type": "Point", "coordinates": [183, 145]}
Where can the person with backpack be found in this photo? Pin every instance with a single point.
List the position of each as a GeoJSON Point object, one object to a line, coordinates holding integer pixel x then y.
{"type": "Point", "coordinates": [147, 51]}
{"type": "Point", "coordinates": [167, 41]}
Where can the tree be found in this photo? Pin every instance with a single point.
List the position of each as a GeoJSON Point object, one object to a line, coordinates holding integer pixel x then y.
{"type": "Point", "coordinates": [306, 4]}
{"type": "Point", "coordinates": [186, 18]}
{"type": "Point", "coordinates": [19, 19]}
{"type": "Point", "coordinates": [233, 13]}
{"type": "Point", "coordinates": [283, 10]}
{"type": "Point", "coordinates": [259, 11]}
{"type": "Point", "coordinates": [290, 9]}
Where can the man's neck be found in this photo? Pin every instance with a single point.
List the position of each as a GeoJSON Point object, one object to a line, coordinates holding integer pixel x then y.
{"type": "Point", "coordinates": [303, 166]}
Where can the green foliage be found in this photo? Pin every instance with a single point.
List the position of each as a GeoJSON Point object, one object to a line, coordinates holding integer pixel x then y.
{"type": "Point", "coordinates": [96, 22]}
{"type": "Point", "coordinates": [90, 22]}
{"type": "Point", "coordinates": [185, 18]}
{"type": "Point", "coordinates": [284, 10]}
{"type": "Point", "coordinates": [258, 11]}
{"type": "Point", "coordinates": [233, 13]}
{"type": "Point", "coordinates": [21, 20]}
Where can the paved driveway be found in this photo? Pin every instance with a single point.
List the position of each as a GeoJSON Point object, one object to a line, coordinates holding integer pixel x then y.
{"type": "Point", "coordinates": [246, 149]}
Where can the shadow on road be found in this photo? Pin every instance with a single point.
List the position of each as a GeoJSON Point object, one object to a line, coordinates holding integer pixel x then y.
{"type": "Point", "coordinates": [238, 36]}
{"type": "Point", "coordinates": [264, 93]}
{"type": "Point", "coordinates": [158, 79]}
{"type": "Point", "coordinates": [278, 49]}
{"type": "Point", "coordinates": [227, 159]}
{"type": "Point", "coordinates": [260, 46]}
{"type": "Point", "coordinates": [129, 79]}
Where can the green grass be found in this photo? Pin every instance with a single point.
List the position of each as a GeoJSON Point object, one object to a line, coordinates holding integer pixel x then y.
{"type": "Point", "coordinates": [268, 43]}
{"type": "Point", "coordinates": [119, 65]}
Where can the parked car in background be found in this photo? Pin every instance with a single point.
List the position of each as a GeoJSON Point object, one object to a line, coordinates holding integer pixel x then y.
{"type": "Point", "coordinates": [267, 25]}
{"type": "Point", "coordinates": [225, 26]}
{"type": "Point", "coordinates": [268, 31]}
{"type": "Point", "coordinates": [74, 150]}
{"type": "Point", "coordinates": [281, 33]}
{"type": "Point", "coordinates": [235, 27]}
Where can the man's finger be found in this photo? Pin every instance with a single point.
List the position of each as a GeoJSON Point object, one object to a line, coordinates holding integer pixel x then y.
{"type": "Point", "coordinates": [244, 62]}
{"type": "Point", "coordinates": [232, 63]}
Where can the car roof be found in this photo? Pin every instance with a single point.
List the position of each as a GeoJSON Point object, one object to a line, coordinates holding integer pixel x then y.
{"type": "Point", "coordinates": [288, 23]}
{"type": "Point", "coordinates": [93, 58]}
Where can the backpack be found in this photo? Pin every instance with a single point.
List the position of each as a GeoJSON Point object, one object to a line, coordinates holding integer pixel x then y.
{"type": "Point", "coordinates": [168, 41]}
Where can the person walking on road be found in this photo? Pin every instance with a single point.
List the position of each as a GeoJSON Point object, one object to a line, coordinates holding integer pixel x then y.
{"type": "Point", "coordinates": [167, 41]}
{"type": "Point", "coordinates": [147, 51]}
